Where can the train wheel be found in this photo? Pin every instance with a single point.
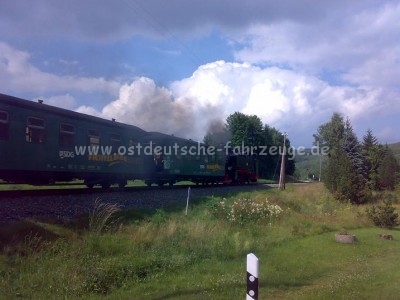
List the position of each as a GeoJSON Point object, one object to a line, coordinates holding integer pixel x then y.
{"type": "Point", "coordinates": [122, 183]}
{"type": "Point", "coordinates": [105, 185]}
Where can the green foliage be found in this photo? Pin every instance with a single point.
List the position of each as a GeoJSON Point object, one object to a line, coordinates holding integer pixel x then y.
{"type": "Point", "coordinates": [245, 210]}
{"type": "Point", "coordinates": [355, 169]}
{"type": "Point", "coordinates": [268, 163]}
{"type": "Point", "coordinates": [244, 128]}
{"type": "Point", "coordinates": [383, 215]}
{"type": "Point", "coordinates": [104, 275]}
{"type": "Point", "coordinates": [331, 134]}
{"type": "Point", "coordinates": [388, 170]}
{"type": "Point", "coordinates": [168, 255]}
{"type": "Point", "coordinates": [395, 148]}
{"type": "Point", "coordinates": [159, 217]}
{"type": "Point", "coordinates": [249, 131]}
{"type": "Point", "coordinates": [372, 152]}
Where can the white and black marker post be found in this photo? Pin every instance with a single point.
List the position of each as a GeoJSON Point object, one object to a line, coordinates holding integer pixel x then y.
{"type": "Point", "coordinates": [252, 277]}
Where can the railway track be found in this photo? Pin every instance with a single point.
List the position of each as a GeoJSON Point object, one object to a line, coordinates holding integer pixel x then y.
{"type": "Point", "coordinates": [71, 191]}
{"type": "Point", "coordinates": [64, 204]}
{"type": "Point", "coordinates": [98, 190]}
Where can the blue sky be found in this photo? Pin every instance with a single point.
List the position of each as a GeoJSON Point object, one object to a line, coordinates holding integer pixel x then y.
{"type": "Point", "coordinates": [178, 66]}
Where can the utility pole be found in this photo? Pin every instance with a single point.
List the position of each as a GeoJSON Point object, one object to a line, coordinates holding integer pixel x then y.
{"type": "Point", "coordinates": [320, 159]}
{"type": "Point", "coordinates": [320, 166]}
{"type": "Point", "coordinates": [282, 174]}
{"type": "Point", "coordinates": [253, 155]}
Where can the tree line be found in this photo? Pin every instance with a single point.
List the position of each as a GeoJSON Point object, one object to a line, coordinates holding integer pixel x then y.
{"type": "Point", "coordinates": [249, 131]}
{"type": "Point", "coordinates": [354, 168]}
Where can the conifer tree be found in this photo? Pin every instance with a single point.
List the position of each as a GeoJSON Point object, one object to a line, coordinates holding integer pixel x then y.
{"type": "Point", "coordinates": [344, 172]}
{"type": "Point", "coordinates": [352, 148]}
{"type": "Point", "coordinates": [372, 153]}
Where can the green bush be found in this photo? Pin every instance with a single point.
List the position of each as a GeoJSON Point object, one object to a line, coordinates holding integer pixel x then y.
{"type": "Point", "coordinates": [383, 215]}
{"type": "Point", "coordinates": [159, 217]}
{"type": "Point", "coordinates": [247, 210]}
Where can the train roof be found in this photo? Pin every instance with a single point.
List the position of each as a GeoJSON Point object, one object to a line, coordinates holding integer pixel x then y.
{"type": "Point", "coordinates": [162, 136]}
{"type": "Point", "coordinates": [39, 106]}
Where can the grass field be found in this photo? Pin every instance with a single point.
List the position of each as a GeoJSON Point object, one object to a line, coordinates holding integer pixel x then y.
{"type": "Point", "coordinates": [165, 254]}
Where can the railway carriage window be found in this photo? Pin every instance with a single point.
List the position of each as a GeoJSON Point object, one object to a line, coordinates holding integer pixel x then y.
{"type": "Point", "coordinates": [3, 125]}
{"type": "Point", "coordinates": [67, 134]}
{"type": "Point", "coordinates": [115, 140]}
{"type": "Point", "coordinates": [94, 137]}
{"type": "Point", "coordinates": [35, 130]}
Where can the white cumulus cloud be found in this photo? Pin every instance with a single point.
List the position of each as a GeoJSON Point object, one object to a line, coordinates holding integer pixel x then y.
{"type": "Point", "coordinates": [283, 99]}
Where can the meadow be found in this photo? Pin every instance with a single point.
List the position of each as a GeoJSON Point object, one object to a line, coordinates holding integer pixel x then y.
{"type": "Point", "coordinates": [166, 254]}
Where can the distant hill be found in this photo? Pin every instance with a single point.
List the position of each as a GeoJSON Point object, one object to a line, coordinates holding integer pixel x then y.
{"type": "Point", "coordinates": [308, 165]}
{"type": "Point", "coordinates": [396, 150]}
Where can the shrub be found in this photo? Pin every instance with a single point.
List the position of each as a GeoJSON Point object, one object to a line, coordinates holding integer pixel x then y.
{"type": "Point", "coordinates": [383, 215]}
{"type": "Point", "coordinates": [246, 210]}
{"type": "Point", "coordinates": [159, 217]}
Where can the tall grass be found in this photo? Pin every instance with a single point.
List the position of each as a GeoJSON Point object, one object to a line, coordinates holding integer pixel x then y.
{"type": "Point", "coordinates": [167, 255]}
{"type": "Point", "coordinates": [102, 216]}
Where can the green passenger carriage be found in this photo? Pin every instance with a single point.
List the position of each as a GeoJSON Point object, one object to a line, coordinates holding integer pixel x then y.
{"type": "Point", "coordinates": [42, 144]}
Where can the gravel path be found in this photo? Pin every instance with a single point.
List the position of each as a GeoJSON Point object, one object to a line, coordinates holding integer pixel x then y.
{"type": "Point", "coordinates": [67, 207]}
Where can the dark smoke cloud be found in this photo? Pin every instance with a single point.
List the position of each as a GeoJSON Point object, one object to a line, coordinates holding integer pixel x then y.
{"type": "Point", "coordinates": [154, 108]}
{"type": "Point", "coordinates": [218, 133]}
